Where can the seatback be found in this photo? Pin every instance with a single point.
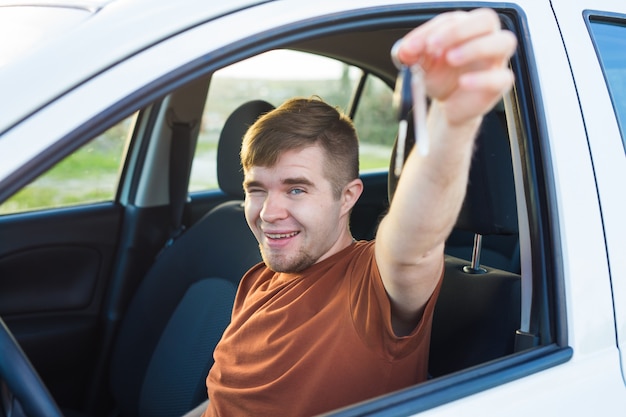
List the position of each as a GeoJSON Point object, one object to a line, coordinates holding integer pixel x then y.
{"type": "Point", "coordinates": [477, 314]}
{"type": "Point", "coordinates": [165, 344]}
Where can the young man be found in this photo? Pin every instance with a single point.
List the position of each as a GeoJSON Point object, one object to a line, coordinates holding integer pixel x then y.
{"type": "Point", "coordinates": [326, 321]}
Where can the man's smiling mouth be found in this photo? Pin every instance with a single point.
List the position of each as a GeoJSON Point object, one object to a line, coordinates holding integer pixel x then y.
{"type": "Point", "coordinates": [281, 235]}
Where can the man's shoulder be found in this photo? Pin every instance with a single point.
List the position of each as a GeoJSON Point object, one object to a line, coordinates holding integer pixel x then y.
{"type": "Point", "coordinates": [363, 248]}
{"type": "Point", "coordinates": [257, 273]}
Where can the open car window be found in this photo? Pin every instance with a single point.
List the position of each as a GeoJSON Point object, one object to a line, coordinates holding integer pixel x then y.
{"type": "Point", "coordinates": [278, 75]}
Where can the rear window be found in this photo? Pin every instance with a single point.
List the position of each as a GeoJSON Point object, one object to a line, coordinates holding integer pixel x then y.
{"type": "Point", "coordinates": [609, 37]}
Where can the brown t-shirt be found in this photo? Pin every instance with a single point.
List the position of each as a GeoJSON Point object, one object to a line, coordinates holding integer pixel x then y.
{"type": "Point", "coordinates": [306, 343]}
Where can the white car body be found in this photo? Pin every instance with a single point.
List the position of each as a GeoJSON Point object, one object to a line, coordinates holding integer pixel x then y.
{"type": "Point", "coordinates": [578, 126]}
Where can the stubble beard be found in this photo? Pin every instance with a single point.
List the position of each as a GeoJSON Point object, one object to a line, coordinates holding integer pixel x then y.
{"type": "Point", "coordinates": [281, 263]}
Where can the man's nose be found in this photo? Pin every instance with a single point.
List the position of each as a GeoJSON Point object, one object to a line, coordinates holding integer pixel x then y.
{"type": "Point", "coordinates": [274, 208]}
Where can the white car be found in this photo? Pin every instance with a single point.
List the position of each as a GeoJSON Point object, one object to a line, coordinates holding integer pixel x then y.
{"type": "Point", "coordinates": [122, 238]}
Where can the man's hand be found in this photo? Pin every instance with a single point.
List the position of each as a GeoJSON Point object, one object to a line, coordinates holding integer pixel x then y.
{"type": "Point", "coordinates": [465, 57]}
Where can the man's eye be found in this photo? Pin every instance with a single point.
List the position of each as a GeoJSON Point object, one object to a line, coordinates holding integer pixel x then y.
{"type": "Point", "coordinates": [296, 191]}
{"type": "Point", "coordinates": [254, 191]}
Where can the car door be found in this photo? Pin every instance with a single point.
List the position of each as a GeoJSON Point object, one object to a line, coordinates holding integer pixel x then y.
{"type": "Point", "coordinates": [540, 124]}
{"type": "Point", "coordinates": [69, 261]}
{"type": "Point", "coordinates": [59, 241]}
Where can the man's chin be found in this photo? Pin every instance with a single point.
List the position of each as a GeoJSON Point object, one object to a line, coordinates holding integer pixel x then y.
{"type": "Point", "coordinates": [287, 265]}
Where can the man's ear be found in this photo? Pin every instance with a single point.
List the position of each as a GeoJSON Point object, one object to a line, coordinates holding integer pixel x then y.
{"type": "Point", "coordinates": [351, 193]}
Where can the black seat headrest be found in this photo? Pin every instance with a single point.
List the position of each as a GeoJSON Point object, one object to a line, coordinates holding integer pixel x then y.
{"type": "Point", "coordinates": [489, 207]}
{"type": "Point", "coordinates": [229, 171]}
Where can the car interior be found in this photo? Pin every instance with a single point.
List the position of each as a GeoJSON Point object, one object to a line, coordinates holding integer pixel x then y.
{"type": "Point", "coordinates": [138, 290]}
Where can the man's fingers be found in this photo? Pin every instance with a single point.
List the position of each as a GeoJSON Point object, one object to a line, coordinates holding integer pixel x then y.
{"type": "Point", "coordinates": [459, 27]}
{"type": "Point", "coordinates": [495, 81]}
{"type": "Point", "coordinates": [446, 31]}
{"type": "Point", "coordinates": [496, 47]}
{"type": "Point", "coordinates": [465, 56]}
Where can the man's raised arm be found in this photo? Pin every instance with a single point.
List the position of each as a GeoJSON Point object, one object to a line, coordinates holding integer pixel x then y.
{"type": "Point", "coordinates": [465, 59]}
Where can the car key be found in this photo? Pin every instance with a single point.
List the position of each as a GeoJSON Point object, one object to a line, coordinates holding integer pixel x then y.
{"type": "Point", "coordinates": [410, 92]}
{"type": "Point", "coordinates": [402, 102]}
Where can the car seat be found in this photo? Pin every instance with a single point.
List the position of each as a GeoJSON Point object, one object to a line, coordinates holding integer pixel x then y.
{"type": "Point", "coordinates": [165, 343]}
{"type": "Point", "coordinates": [487, 224]}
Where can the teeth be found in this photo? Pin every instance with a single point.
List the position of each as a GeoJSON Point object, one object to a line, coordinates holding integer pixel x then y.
{"type": "Point", "coordinates": [280, 235]}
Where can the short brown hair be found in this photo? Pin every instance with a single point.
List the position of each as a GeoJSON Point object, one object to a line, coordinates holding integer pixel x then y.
{"type": "Point", "coordinates": [299, 123]}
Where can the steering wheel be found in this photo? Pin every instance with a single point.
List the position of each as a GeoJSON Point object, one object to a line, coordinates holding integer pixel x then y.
{"type": "Point", "coordinates": [22, 382]}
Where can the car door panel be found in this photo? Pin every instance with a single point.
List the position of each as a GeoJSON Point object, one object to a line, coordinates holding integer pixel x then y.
{"type": "Point", "coordinates": [49, 278]}
{"type": "Point", "coordinates": [54, 268]}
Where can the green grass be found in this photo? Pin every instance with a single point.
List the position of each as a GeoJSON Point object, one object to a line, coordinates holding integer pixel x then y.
{"type": "Point", "coordinates": [368, 162]}
{"type": "Point", "coordinates": [86, 176]}
{"type": "Point", "coordinates": [85, 164]}
{"type": "Point", "coordinates": [38, 197]}
{"type": "Point", "coordinates": [207, 142]}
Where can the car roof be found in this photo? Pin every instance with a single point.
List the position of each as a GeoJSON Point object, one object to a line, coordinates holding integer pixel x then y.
{"type": "Point", "coordinates": [82, 38]}
{"type": "Point", "coordinates": [81, 4]}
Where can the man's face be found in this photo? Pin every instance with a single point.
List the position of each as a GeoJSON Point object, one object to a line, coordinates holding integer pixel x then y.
{"type": "Point", "coordinates": [293, 213]}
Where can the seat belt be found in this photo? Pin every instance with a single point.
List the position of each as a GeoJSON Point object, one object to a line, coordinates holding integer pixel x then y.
{"type": "Point", "coordinates": [180, 164]}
